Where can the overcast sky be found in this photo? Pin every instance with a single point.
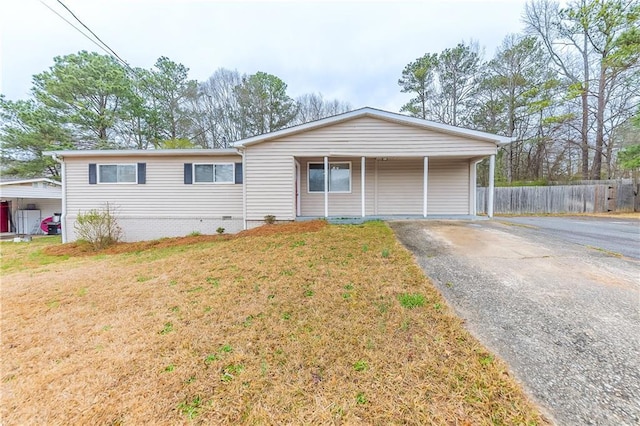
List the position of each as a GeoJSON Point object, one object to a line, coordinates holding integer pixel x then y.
{"type": "Point", "coordinates": [351, 50]}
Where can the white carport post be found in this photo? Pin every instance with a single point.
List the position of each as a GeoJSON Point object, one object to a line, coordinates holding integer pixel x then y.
{"type": "Point", "coordinates": [492, 170]}
{"type": "Point", "coordinates": [326, 186]}
{"type": "Point", "coordinates": [363, 162]}
{"type": "Point", "coordinates": [425, 179]}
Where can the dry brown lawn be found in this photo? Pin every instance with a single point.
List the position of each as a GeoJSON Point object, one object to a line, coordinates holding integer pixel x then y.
{"type": "Point", "coordinates": [283, 325]}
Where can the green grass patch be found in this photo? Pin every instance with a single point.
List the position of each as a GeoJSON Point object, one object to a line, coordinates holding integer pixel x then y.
{"type": "Point", "coordinates": [411, 301]}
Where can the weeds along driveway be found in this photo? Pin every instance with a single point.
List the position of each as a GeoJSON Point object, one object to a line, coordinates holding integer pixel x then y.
{"type": "Point", "coordinates": [564, 317]}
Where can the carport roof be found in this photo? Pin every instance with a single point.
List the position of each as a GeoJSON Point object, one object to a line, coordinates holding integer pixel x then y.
{"type": "Point", "coordinates": [30, 192]}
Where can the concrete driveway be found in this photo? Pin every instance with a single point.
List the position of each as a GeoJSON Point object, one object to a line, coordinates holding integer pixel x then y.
{"type": "Point", "coordinates": [564, 315]}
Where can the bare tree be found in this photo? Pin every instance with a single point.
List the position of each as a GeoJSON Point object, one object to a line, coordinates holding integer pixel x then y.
{"type": "Point", "coordinates": [313, 107]}
{"type": "Point", "coordinates": [592, 44]}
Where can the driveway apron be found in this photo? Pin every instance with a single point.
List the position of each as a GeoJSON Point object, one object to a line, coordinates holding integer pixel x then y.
{"type": "Point", "coordinates": [565, 317]}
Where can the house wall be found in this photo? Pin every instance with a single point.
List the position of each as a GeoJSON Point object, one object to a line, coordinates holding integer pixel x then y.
{"type": "Point", "coordinates": [162, 207]}
{"type": "Point", "coordinates": [270, 171]}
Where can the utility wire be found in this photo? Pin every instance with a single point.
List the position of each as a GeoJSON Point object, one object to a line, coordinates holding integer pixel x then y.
{"type": "Point", "coordinates": [76, 28]}
{"type": "Point", "coordinates": [107, 49]}
{"type": "Point", "coordinates": [94, 34]}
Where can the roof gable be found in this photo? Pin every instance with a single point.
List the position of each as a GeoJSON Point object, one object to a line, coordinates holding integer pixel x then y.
{"type": "Point", "coordinates": [379, 114]}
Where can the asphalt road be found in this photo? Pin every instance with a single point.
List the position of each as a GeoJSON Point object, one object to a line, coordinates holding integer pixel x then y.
{"type": "Point", "coordinates": [551, 300]}
{"type": "Point", "coordinates": [616, 235]}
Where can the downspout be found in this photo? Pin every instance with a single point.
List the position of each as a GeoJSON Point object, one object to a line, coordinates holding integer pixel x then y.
{"type": "Point", "coordinates": [63, 213]}
{"type": "Point", "coordinates": [297, 188]}
{"type": "Point", "coordinates": [326, 187]}
{"type": "Point", "coordinates": [473, 190]}
{"type": "Point", "coordinates": [492, 167]}
{"type": "Point", "coordinates": [244, 187]}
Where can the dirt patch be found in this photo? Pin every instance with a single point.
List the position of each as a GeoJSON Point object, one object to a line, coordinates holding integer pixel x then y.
{"type": "Point", "coordinates": [83, 249]}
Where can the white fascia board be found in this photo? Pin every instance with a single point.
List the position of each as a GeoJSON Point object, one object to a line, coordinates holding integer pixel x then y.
{"type": "Point", "coordinates": [23, 181]}
{"type": "Point", "coordinates": [141, 153]}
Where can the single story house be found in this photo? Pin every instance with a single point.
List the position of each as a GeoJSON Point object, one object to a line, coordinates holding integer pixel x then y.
{"type": "Point", "coordinates": [365, 163]}
{"type": "Point", "coordinates": [25, 203]}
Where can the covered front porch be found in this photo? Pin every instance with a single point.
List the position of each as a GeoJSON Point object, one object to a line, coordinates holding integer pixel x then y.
{"type": "Point", "coordinates": [387, 187]}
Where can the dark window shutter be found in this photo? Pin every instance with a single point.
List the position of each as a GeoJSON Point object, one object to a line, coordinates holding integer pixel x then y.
{"type": "Point", "coordinates": [238, 172]}
{"type": "Point", "coordinates": [188, 173]}
{"type": "Point", "coordinates": [142, 173]}
{"type": "Point", "coordinates": [93, 174]}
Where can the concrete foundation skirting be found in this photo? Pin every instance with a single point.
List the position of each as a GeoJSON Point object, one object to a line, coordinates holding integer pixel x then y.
{"type": "Point", "coordinates": [346, 220]}
{"type": "Point", "coordinates": [143, 229]}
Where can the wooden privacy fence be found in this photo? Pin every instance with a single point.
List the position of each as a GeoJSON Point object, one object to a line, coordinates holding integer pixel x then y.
{"type": "Point", "coordinates": [619, 197]}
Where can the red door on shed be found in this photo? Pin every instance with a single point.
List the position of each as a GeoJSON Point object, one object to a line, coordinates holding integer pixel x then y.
{"type": "Point", "coordinates": [4, 216]}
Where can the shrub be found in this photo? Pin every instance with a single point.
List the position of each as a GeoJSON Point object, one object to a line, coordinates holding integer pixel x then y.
{"type": "Point", "coordinates": [98, 227]}
{"type": "Point", "coordinates": [269, 219]}
{"type": "Point", "coordinates": [220, 230]}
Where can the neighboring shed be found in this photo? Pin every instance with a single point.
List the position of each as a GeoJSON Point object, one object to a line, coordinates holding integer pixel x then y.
{"type": "Point", "coordinates": [25, 203]}
{"type": "Point", "coordinates": [365, 164]}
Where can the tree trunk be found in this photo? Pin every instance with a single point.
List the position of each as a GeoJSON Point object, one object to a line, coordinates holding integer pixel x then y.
{"type": "Point", "coordinates": [597, 159]}
{"type": "Point", "coordinates": [584, 131]}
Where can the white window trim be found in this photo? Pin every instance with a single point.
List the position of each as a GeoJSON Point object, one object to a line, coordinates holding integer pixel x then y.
{"type": "Point", "coordinates": [99, 181]}
{"type": "Point", "coordinates": [233, 173]}
{"type": "Point", "coordinates": [330, 163]}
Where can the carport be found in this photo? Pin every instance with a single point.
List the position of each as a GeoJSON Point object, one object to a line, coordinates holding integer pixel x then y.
{"type": "Point", "coordinates": [25, 203]}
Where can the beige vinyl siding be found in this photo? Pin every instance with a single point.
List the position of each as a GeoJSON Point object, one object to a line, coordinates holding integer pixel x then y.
{"type": "Point", "coordinates": [448, 187]}
{"type": "Point", "coordinates": [379, 137]}
{"type": "Point", "coordinates": [270, 185]}
{"type": "Point", "coordinates": [400, 183]}
{"type": "Point", "coordinates": [270, 168]}
{"type": "Point", "coordinates": [163, 195]}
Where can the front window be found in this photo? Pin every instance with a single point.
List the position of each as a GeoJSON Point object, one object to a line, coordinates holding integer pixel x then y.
{"type": "Point", "coordinates": [339, 177]}
{"type": "Point", "coordinates": [213, 173]}
{"type": "Point", "coordinates": [117, 173]}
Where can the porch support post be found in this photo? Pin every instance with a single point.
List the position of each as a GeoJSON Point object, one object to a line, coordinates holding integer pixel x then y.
{"type": "Point", "coordinates": [326, 186]}
{"type": "Point", "coordinates": [492, 170]}
{"type": "Point", "coordinates": [425, 179]}
{"type": "Point", "coordinates": [363, 163]}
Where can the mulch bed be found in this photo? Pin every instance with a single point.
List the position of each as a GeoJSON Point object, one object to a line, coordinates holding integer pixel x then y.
{"type": "Point", "coordinates": [76, 249]}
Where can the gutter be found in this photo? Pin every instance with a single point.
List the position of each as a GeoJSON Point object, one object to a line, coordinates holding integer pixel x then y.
{"type": "Point", "coordinates": [240, 150]}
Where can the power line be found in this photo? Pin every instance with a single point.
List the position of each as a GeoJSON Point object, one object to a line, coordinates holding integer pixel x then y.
{"type": "Point", "coordinates": [76, 28]}
{"type": "Point", "coordinates": [107, 49]}
{"type": "Point", "coordinates": [94, 34]}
